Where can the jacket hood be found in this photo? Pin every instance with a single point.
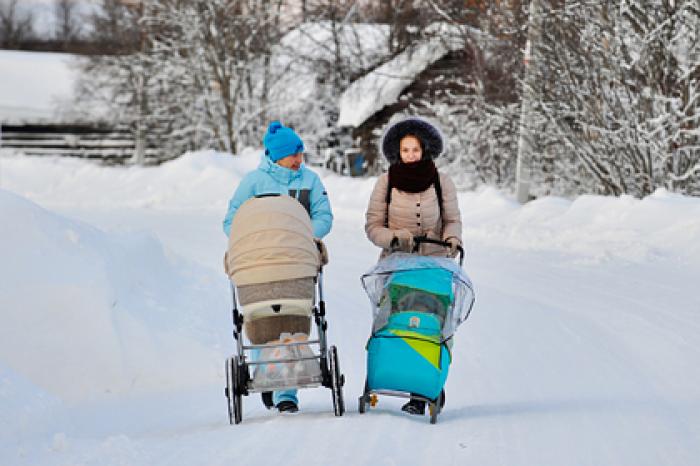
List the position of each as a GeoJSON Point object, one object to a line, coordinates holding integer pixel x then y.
{"type": "Point", "coordinates": [429, 135]}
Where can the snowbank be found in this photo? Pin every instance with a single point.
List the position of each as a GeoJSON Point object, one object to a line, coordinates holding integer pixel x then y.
{"type": "Point", "coordinates": [24, 403]}
{"type": "Point", "coordinates": [589, 228]}
{"type": "Point", "coordinates": [198, 180]}
{"type": "Point", "coordinates": [86, 313]}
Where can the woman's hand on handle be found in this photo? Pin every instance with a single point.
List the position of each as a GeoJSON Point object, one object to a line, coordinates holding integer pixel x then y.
{"type": "Point", "coordinates": [455, 245]}
{"type": "Point", "coordinates": [323, 252]}
{"type": "Point", "coordinates": [402, 241]}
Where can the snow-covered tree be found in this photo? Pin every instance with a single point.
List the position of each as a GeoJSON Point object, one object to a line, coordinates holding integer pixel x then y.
{"type": "Point", "coordinates": [618, 87]}
{"type": "Point", "coordinates": [317, 61]}
{"type": "Point", "coordinates": [474, 96]}
{"type": "Point", "coordinates": [118, 85]}
{"type": "Point", "coordinates": [68, 24]}
{"type": "Point", "coordinates": [198, 75]}
{"type": "Point", "coordinates": [16, 25]}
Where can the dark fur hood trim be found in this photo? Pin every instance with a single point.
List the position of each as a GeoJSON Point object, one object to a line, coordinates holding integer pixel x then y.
{"type": "Point", "coordinates": [429, 135]}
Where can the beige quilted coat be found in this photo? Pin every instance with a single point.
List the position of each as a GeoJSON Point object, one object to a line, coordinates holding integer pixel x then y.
{"type": "Point", "coordinates": [418, 213]}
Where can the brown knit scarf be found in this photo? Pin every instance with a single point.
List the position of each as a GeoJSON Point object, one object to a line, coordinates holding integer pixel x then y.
{"type": "Point", "coordinates": [413, 177]}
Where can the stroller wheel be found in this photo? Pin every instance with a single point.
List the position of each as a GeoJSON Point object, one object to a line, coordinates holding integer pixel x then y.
{"type": "Point", "coordinates": [337, 382]}
{"type": "Point", "coordinates": [363, 400]}
{"type": "Point", "coordinates": [233, 391]}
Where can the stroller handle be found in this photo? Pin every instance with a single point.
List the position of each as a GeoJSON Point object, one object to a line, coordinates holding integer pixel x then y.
{"type": "Point", "coordinates": [418, 240]}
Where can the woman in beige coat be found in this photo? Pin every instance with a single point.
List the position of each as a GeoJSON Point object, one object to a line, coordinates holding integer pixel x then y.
{"type": "Point", "coordinates": [413, 199]}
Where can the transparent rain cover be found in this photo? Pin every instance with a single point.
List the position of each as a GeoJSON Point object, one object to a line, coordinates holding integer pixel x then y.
{"type": "Point", "coordinates": [423, 289]}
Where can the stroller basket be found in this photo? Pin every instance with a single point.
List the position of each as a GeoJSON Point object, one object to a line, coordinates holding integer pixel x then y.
{"type": "Point", "coordinates": [285, 364]}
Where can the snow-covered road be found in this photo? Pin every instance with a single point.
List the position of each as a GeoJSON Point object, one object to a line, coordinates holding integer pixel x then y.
{"type": "Point", "coordinates": [582, 349]}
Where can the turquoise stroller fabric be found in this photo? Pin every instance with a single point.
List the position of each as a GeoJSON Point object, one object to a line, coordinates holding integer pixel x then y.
{"type": "Point", "coordinates": [407, 354]}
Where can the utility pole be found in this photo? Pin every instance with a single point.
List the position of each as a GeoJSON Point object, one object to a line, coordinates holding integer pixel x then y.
{"type": "Point", "coordinates": [523, 168]}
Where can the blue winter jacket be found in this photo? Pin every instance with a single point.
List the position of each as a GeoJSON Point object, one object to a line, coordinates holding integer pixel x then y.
{"type": "Point", "coordinates": [302, 184]}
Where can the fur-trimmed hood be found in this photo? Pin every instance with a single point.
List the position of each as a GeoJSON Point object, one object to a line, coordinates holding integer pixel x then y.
{"type": "Point", "coordinates": [430, 137]}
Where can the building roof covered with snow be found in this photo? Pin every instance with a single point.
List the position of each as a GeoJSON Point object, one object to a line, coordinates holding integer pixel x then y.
{"type": "Point", "coordinates": [384, 85]}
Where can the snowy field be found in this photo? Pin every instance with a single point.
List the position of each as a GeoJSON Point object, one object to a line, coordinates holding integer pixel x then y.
{"type": "Point", "coordinates": [583, 347]}
{"type": "Point", "coordinates": [36, 86]}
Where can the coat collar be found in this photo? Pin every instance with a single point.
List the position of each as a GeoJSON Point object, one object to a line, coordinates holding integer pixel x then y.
{"type": "Point", "coordinates": [279, 173]}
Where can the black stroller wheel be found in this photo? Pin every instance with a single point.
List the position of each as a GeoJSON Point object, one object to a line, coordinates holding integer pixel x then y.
{"type": "Point", "coordinates": [363, 400]}
{"type": "Point", "coordinates": [233, 391]}
{"type": "Point", "coordinates": [337, 382]}
{"type": "Point", "coordinates": [361, 405]}
{"type": "Point", "coordinates": [228, 391]}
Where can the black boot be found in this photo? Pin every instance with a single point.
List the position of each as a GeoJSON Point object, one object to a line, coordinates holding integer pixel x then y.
{"type": "Point", "coordinates": [267, 400]}
{"type": "Point", "coordinates": [287, 407]}
{"type": "Point", "coordinates": [414, 407]}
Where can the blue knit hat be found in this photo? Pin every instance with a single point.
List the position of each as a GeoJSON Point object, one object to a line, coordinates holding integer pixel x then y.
{"type": "Point", "coordinates": [281, 141]}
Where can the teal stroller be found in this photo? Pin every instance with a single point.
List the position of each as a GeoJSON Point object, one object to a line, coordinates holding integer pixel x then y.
{"type": "Point", "coordinates": [418, 303]}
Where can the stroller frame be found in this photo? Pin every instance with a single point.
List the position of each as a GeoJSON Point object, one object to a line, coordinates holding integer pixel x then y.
{"type": "Point", "coordinates": [238, 378]}
{"type": "Point", "coordinates": [370, 397]}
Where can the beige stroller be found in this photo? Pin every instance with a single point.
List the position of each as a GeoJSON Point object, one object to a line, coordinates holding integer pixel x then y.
{"type": "Point", "coordinates": [276, 272]}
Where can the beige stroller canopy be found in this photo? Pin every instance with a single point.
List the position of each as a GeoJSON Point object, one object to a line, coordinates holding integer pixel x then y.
{"type": "Point", "coordinates": [271, 240]}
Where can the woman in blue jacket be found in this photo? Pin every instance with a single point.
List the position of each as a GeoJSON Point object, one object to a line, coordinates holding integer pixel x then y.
{"type": "Point", "coordinates": [281, 171]}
